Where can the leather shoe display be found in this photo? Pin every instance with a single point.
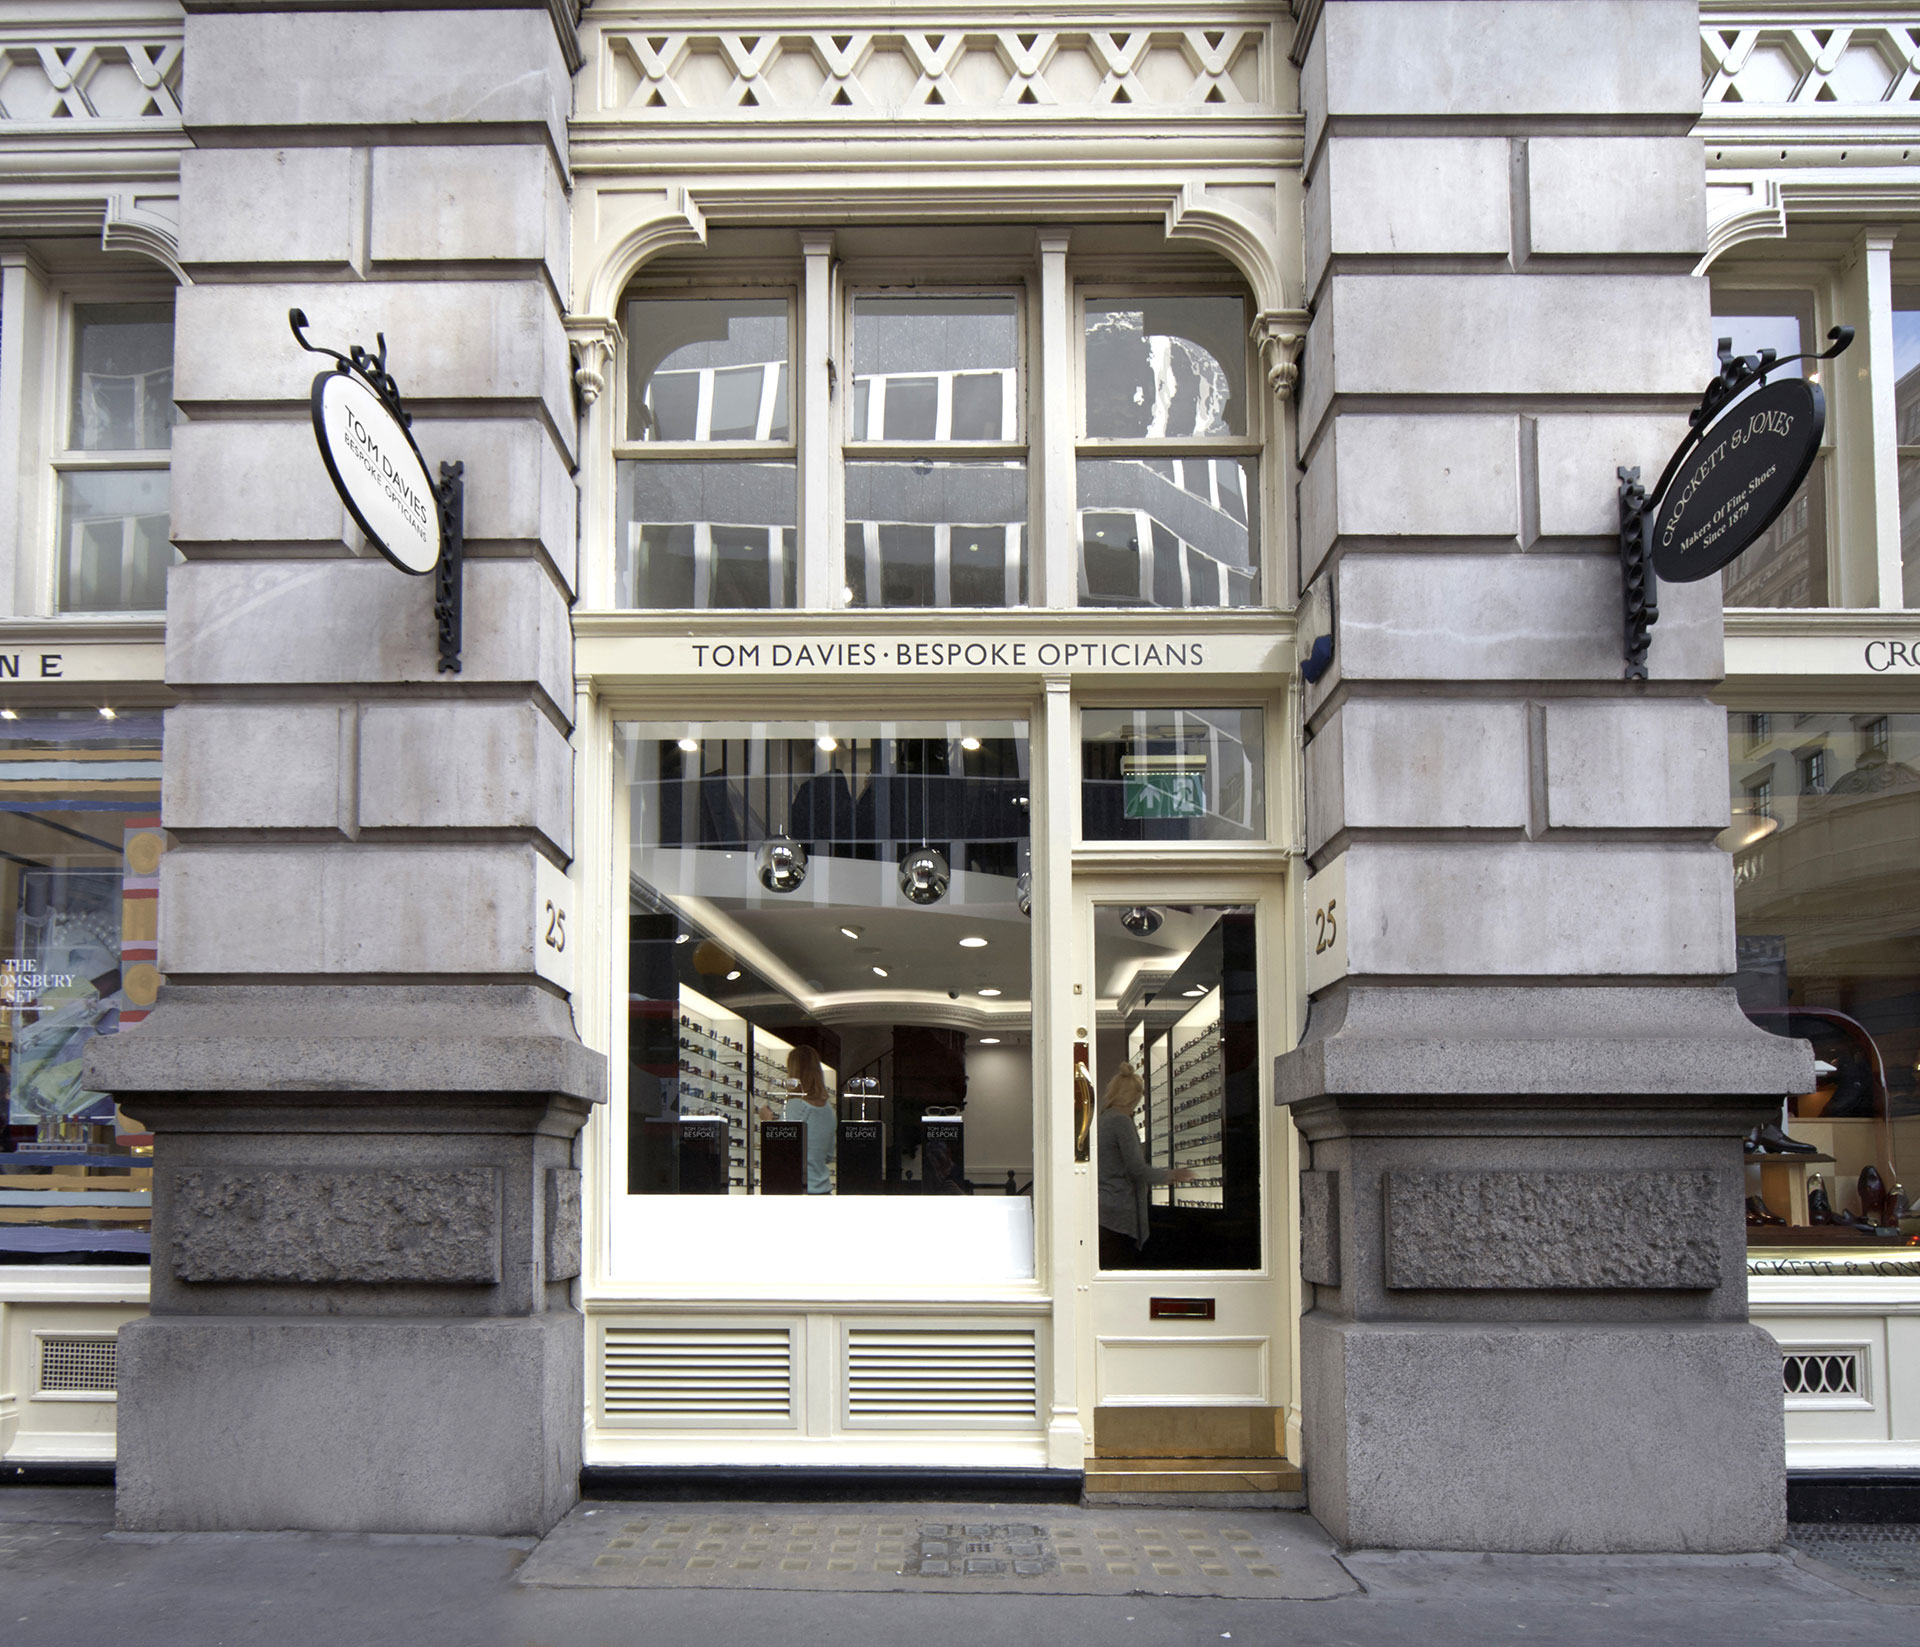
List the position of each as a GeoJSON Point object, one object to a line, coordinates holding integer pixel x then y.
{"type": "Point", "coordinates": [1751, 1143]}
{"type": "Point", "coordinates": [1758, 1212]}
{"type": "Point", "coordinates": [1776, 1142]}
{"type": "Point", "coordinates": [1873, 1196]}
{"type": "Point", "coordinates": [1819, 1208]}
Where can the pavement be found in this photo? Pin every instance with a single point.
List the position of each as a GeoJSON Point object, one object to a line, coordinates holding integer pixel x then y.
{"type": "Point", "coordinates": [789, 1575]}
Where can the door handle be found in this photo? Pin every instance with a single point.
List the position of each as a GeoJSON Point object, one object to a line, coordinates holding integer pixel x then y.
{"type": "Point", "coordinates": [1082, 1103]}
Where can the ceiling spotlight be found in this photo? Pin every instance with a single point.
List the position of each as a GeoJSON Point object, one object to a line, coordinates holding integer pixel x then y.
{"type": "Point", "coordinates": [924, 876]}
{"type": "Point", "coordinates": [989, 993]}
{"type": "Point", "coordinates": [969, 743]}
{"type": "Point", "coordinates": [733, 976]}
{"type": "Point", "coordinates": [1141, 921]}
{"type": "Point", "coordinates": [1192, 992]}
{"type": "Point", "coordinates": [681, 937]}
{"type": "Point", "coordinates": [107, 714]}
{"type": "Point", "coordinates": [826, 745]}
{"type": "Point", "coordinates": [849, 932]}
{"type": "Point", "coordinates": [973, 943]}
{"type": "Point", "coordinates": [989, 1040]}
{"type": "Point", "coordinates": [8, 715]}
{"type": "Point", "coordinates": [879, 972]}
{"type": "Point", "coordinates": [690, 745]}
{"type": "Point", "coordinates": [783, 864]}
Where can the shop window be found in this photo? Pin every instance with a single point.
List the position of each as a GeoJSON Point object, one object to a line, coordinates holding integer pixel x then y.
{"type": "Point", "coordinates": [926, 527]}
{"type": "Point", "coordinates": [1826, 870]}
{"type": "Point", "coordinates": [1172, 775]}
{"type": "Point", "coordinates": [1177, 1120]}
{"type": "Point", "coordinates": [1166, 480]}
{"type": "Point", "coordinates": [112, 550]}
{"type": "Point", "coordinates": [707, 480]}
{"type": "Point", "coordinates": [1787, 564]}
{"type": "Point", "coordinates": [1906, 415]}
{"type": "Point", "coordinates": [80, 841]}
{"type": "Point", "coordinates": [829, 995]}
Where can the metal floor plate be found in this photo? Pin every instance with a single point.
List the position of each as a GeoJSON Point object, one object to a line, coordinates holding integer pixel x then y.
{"type": "Point", "coordinates": [1008, 1549]}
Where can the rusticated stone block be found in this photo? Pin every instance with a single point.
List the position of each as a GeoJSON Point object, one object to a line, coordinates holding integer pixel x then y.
{"type": "Point", "coordinates": [1552, 1229]}
{"type": "Point", "coordinates": [563, 1223]}
{"type": "Point", "coordinates": [311, 1225]}
{"type": "Point", "coordinates": [1320, 1228]}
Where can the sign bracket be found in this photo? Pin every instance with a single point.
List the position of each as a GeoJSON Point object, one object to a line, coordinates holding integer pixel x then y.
{"type": "Point", "coordinates": [1639, 506]}
{"type": "Point", "coordinates": [449, 573]}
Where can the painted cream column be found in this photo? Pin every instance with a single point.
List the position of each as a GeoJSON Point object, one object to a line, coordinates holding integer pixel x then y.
{"type": "Point", "coordinates": [1522, 1093]}
{"type": "Point", "coordinates": [363, 1076]}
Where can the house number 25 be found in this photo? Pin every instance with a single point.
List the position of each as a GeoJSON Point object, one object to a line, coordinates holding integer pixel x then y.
{"type": "Point", "coordinates": [556, 938]}
{"type": "Point", "coordinates": [1326, 928]}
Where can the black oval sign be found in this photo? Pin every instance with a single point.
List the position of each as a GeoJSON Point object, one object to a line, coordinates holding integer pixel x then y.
{"type": "Point", "coordinates": [1742, 474]}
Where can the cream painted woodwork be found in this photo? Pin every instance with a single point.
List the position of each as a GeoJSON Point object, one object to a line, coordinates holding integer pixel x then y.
{"type": "Point", "coordinates": [57, 1326]}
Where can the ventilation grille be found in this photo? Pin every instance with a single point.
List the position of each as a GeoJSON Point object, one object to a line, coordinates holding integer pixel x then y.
{"type": "Point", "coordinates": [1823, 1372]}
{"type": "Point", "coordinates": [89, 1366]}
{"type": "Point", "coordinates": [938, 1379]}
{"type": "Point", "coordinates": [699, 1375]}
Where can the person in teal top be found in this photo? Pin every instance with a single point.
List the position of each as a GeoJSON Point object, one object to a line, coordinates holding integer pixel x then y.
{"type": "Point", "coordinates": [813, 1105]}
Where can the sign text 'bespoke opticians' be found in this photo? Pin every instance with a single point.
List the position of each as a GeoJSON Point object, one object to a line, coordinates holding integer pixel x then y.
{"type": "Point", "coordinates": [834, 655]}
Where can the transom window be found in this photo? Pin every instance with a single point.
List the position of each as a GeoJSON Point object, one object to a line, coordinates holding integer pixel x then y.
{"type": "Point", "coordinates": [897, 466]}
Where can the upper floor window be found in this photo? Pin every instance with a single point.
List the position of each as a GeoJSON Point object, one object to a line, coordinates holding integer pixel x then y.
{"type": "Point", "coordinates": [111, 547]}
{"type": "Point", "coordinates": [892, 462]}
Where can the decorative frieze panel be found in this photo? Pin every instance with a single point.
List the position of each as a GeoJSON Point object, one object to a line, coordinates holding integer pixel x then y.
{"type": "Point", "coordinates": [1810, 66]}
{"type": "Point", "coordinates": [1026, 73]}
{"type": "Point", "coordinates": [134, 79]}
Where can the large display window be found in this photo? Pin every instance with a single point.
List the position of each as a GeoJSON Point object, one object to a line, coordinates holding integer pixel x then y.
{"type": "Point", "coordinates": [1825, 838]}
{"type": "Point", "coordinates": [828, 1001]}
{"type": "Point", "coordinates": [80, 847]}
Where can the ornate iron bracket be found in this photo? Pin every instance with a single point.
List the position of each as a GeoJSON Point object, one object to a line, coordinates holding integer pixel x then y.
{"type": "Point", "coordinates": [449, 577]}
{"type": "Point", "coordinates": [449, 573]}
{"type": "Point", "coordinates": [1639, 592]}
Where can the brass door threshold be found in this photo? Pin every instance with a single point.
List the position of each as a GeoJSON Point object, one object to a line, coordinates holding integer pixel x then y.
{"type": "Point", "coordinates": [1193, 1475]}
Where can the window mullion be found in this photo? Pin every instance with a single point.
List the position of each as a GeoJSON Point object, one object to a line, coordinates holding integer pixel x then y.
{"type": "Point", "coordinates": [1056, 566]}
{"type": "Point", "coordinates": [820, 547]}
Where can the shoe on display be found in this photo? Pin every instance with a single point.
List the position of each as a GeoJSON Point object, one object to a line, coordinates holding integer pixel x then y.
{"type": "Point", "coordinates": [1758, 1212]}
{"type": "Point", "coordinates": [1873, 1195]}
{"type": "Point", "coordinates": [1819, 1208]}
{"type": "Point", "coordinates": [1751, 1143]}
{"type": "Point", "coordinates": [1776, 1142]}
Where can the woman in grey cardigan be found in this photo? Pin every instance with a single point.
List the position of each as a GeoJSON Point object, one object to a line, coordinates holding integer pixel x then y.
{"type": "Point", "coordinates": [1125, 1177]}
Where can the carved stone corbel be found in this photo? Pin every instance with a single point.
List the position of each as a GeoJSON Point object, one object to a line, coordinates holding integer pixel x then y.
{"type": "Point", "coordinates": [593, 339]}
{"type": "Point", "coordinates": [1281, 333]}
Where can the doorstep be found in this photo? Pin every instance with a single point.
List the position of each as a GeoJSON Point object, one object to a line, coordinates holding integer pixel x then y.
{"type": "Point", "coordinates": [1273, 1483]}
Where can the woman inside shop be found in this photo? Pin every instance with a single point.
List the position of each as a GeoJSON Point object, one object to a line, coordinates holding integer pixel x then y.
{"type": "Point", "coordinates": [812, 1105]}
{"type": "Point", "coordinates": [1125, 1177]}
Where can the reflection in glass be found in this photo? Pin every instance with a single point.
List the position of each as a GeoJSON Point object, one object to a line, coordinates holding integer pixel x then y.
{"type": "Point", "coordinates": [694, 536]}
{"type": "Point", "coordinates": [707, 369]}
{"type": "Point", "coordinates": [1178, 1128]}
{"type": "Point", "coordinates": [1825, 840]}
{"type": "Point", "coordinates": [81, 843]}
{"type": "Point", "coordinates": [1172, 775]}
{"type": "Point", "coordinates": [122, 378]}
{"type": "Point", "coordinates": [1168, 532]}
{"type": "Point", "coordinates": [1906, 416]}
{"type": "Point", "coordinates": [114, 550]}
{"type": "Point", "coordinates": [901, 1004]}
{"type": "Point", "coordinates": [1166, 368]}
{"type": "Point", "coordinates": [936, 534]}
{"type": "Point", "coordinates": [935, 369]}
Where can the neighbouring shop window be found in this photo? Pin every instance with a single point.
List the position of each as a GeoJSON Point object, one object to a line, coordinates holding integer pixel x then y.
{"type": "Point", "coordinates": [1825, 840]}
{"type": "Point", "coordinates": [1787, 564]}
{"type": "Point", "coordinates": [80, 847]}
{"type": "Point", "coordinates": [829, 989]}
{"type": "Point", "coordinates": [1177, 1116]}
{"type": "Point", "coordinates": [707, 482]}
{"type": "Point", "coordinates": [924, 526]}
{"type": "Point", "coordinates": [1172, 775]}
{"type": "Point", "coordinates": [1906, 414]}
{"type": "Point", "coordinates": [1167, 505]}
{"type": "Point", "coordinates": [113, 551]}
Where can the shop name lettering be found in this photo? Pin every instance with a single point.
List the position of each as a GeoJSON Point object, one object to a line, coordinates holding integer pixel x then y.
{"type": "Point", "coordinates": [951, 655]}
{"type": "Point", "coordinates": [51, 665]}
{"type": "Point", "coordinates": [392, 481]}
{"type": "Point", "coordinates": [1882, 655]}
{"type": "Point", "coordinates": [1761, 423]}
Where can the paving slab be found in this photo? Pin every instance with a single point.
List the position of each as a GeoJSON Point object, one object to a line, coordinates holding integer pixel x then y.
{"type": "Point", "coordinates": [1267, 1555]}
{"type": "Point", "coordinates": [1876, 1559]}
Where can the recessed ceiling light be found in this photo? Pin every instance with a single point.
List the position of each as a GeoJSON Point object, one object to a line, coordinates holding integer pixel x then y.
{"type": "Point", "coordinates": [973, 943]}
{"type": "Point", "coordinates": [827, 745]}
{"type": "Point", "coordinates": [989, 1040]}
{"type": "Point", "coordinates": [989, 993]}
{"type": "Point", "coordinates": [1192, 992]}
{"type": "Point", "coordinates": [690, 745]}
{"type": "Point", "coordinates": [849, 932]}
{"type": "Point", "coordinates": [731, 976]}
{"type": "Point", "coordinates": [879, 972]}
{"type": "Point", "coordinates": [969, 743]}
{"type": "Point", "coordinates": [681, 937]}
{"type": "Point", "coordinates": [107, 714]}
{"type": "Point", "coordinates": [8, 715]}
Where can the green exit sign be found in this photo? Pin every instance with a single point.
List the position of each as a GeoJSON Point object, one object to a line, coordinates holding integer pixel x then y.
{"type": "Point", "coordinates": [1165, 786]}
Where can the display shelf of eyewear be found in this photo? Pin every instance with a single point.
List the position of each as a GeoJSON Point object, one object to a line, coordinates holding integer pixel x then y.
{"type": "Point", "coordinates": [1196, 1090]}
{"type": "Point", "coordinates": [713, 1077]}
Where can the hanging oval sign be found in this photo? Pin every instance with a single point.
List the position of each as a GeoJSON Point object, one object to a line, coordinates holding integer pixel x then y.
{"type": "Point", "coordinates": [1745, 470]}
{"type": "Point", "coordinates": [378, 471]}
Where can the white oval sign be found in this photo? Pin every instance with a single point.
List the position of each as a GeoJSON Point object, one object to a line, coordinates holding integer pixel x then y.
{"type": "Point", "coordinates": [377, 472]}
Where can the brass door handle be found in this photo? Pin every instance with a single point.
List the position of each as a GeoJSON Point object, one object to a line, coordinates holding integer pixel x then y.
{"type": "Point", "coordinates": [1082, 1103]}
